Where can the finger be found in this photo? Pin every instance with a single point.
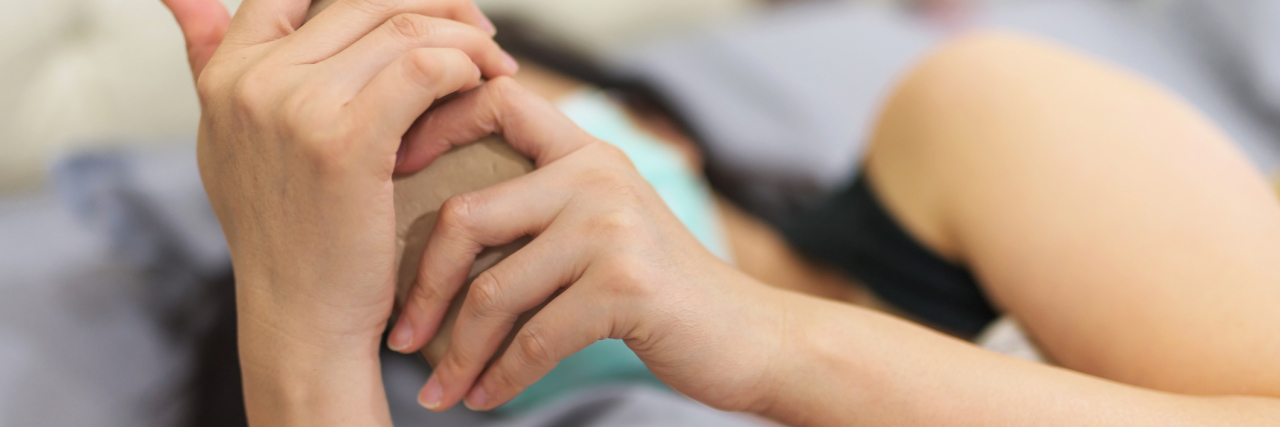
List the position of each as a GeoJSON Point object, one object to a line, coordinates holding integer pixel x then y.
{"type": "Point", "coordinates": [405, 32]}
{"type": "Point", "coordinates": [203, 23]}
{"type": "Point", "coordinates": [402, 91]}
{"type": "Point", "coordinates": [340, 25]}
{"type": "Point", "coordinates": [261, 21]}
{"type": "Point", "coordinates": [497, 298]}
{"type": "Point", "coordinates": [529, 123]}
{"type": "Point", "coordinates": [468, 223]}
{"type": "Point", "coordinates": [569, 323]}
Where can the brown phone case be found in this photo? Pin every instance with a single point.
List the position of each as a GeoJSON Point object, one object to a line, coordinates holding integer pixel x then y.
{"type": "Point", "coordinates": [418, 198]}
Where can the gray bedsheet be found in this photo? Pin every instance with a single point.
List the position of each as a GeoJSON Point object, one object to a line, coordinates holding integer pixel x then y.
{"type": "Point", "coordinates": [89, 275]}
{"type": "Point", "coordinates": [784, 102]}
{"type": "Point", "coordinates": [76, 344]}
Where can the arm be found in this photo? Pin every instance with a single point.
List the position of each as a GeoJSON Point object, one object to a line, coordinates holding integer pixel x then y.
{"type": "Point", "coordinates": [615, 264]}
{"type": "Point", "coordinates": [851, 366]}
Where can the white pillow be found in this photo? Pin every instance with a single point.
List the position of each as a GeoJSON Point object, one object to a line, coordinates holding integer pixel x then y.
{"type": "Point", "coordinates": [75, 73]}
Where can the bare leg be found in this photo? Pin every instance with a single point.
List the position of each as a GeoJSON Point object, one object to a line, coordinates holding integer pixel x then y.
{"type": "Point", "coordinates": [1118, 225]}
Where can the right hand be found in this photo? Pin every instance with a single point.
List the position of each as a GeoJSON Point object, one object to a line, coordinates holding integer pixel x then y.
{"type": "Point", "coordinates": [608, 252]}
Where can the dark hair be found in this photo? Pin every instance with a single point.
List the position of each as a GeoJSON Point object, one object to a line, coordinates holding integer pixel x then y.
{"type": "Point", "coordinates": [215, 392]}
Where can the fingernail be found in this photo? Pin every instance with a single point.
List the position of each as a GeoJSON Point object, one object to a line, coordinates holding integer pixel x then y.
{"type": "Point", "coordinates": [477, 399]}
{"type": "Point", "coordinates": [431, 394]}
{"type": "Point", "coordinates": [400, 152]}
{"type": "Point", "coordinates": [511, 62]}
{"type": "Point", "coordinates": [401, 334]}
{"type": "Point", "coordinates": [488, 25]}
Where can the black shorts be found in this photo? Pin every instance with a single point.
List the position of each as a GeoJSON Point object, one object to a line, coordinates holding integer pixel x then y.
{"type": "Point", "coordinates": [851, 230]}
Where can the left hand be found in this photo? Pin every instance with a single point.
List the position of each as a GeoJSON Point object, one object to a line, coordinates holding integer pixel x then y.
{"type": "Point", "coordinates": [298, 140]}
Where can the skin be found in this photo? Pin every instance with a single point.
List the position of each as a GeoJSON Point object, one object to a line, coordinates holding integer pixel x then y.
{"type": "Point", "coordinates": [757, 249]}
{"type": "Point", "coordinates": [1117, 224]}
{"type": "Point", "coordinates": [312, 119]}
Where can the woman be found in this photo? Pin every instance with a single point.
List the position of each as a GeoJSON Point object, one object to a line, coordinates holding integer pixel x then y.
{"type": "Point", "coordinates": [1127, 235]}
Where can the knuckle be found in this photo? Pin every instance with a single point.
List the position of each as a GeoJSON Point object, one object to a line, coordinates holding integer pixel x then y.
{"type": "Point", "coordinates": [456, 362]}
{"type": "Point", "coordinates": [249, 92]}
{"type": "Point", "coordinates": [617, 185]}
{"type": "Point", "coordinates": [297, 114]}
{"type": "Point", "coordinates": [455, 55]}
{"type": "Point", "coordinates": [596, 177]}
{"type": "Point", "coordinates": [305, 117]}
{"type": "Point", "coordinates": [423, 63]}
{"type": "Point", "coordinates": [411, 27]}
{"type": "Point", "coordinates": [506, 85]}
{"type": "Point", "coordinates": [456, 64]}
{"type": "Point", "coordinates": [432, 66]}
{"type": "Point", "coordinates": [614, 224]}
{"type": "Point", "coordinates": [325, 147]}
{"type": "Point", "coordinates": [505, 92]}
{"type": "Point", "coordinates": [628, 277]}
{"type": "Point", "coordinates": [486, 294]}
{"type": "Point", "coordinates": [208, 84]}
{"type": "Point", "coordinates": [422, 293]}
{"type": "Point", "coordinates": [457, 211]}
{"type": "Point", "coordinates": [533, 348]}
{"type": "Point", "coordinates": [503, 378]}
{"type": "Point", "coordinates": [330, 157]}
{"type": "Point", "coordinates": [612, 153]}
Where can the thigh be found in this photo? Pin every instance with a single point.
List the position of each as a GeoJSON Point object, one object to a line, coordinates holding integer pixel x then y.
{"type": "Point", "coordinates": [1119, 226]}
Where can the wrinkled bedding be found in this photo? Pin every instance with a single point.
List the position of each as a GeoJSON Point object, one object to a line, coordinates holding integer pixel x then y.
{"type": "Point", "coordinates": [783, 103]}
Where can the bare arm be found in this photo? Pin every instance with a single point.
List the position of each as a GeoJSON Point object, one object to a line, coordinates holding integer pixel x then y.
{"type": "Point", "coordinates": [629, 272]}
{"type": "Point", "coordinates": [1030, 164]}
{"type": "Point", "coordinates": [849, 366]}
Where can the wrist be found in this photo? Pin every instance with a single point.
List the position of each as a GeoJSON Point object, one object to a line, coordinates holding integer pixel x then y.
{"type": "Point", "coordinates": [301, 365]}
{"type": "Point", "coordinates": [289, 381]}
{"type": "Point", "coordinates": [799, 386]}
{"type": "Point", "coordinates": [287, 310]}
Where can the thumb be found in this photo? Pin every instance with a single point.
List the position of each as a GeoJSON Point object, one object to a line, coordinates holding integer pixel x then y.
{"type": "Point", "coordinates": [204, 23]}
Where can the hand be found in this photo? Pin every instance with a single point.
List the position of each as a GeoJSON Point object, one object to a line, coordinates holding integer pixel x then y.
{"type": "Point", "coordinates": [627, 269]}
{"type": "Point", "coordinates": [297, 144]}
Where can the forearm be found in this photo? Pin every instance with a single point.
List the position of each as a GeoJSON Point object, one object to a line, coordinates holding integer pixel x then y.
{"type": "Point", "coordinates": [850, 366]}
{"type": "Point", "coordinates": [292, 380]}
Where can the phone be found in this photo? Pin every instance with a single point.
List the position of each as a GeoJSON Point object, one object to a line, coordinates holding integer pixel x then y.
{"type": "Point", "coordinates": [418, 198]}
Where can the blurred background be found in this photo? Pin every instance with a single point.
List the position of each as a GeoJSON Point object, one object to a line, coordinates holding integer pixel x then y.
{"type": "Point", "coordinates": [104, 234]}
